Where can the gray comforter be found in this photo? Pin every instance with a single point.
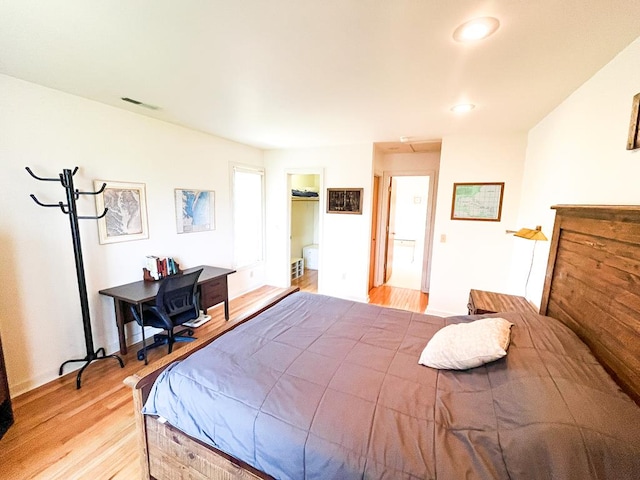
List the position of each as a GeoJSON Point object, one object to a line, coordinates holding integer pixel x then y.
{"type": "Point", "coordinates": [324, 388]}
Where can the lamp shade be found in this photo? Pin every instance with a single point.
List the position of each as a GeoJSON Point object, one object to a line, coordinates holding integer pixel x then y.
{"type": "Point", "coordinates": [530, 234]}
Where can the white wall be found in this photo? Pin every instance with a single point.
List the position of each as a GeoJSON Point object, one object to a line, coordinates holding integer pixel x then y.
{"type": "Point", "coordinates": [475, 254]}
{"type": "Point", "coordinates": [40, 319]}
{"type": "Point", "coordinates": [410, 162]}
{"type": "Point", "coordinates": [344, 238]}
{"type": "Point", "coordinates": [577, 154]}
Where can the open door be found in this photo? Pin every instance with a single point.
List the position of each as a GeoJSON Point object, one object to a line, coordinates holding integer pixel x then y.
{"type": "Point", "coordinates": [390, 230]}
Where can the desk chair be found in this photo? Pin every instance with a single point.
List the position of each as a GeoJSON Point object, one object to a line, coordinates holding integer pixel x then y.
{"type": "Point", "coordinates": [177, 302]}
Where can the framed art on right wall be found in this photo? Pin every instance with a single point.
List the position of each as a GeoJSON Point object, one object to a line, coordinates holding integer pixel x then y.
{"type": "Point", "coordinates": [477, 201]}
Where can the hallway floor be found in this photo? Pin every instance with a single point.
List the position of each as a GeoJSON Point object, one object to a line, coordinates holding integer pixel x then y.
{"type": "Point", "coordinates": [407, 268]}
{"type": "Point", "coordinates": [385, 295]}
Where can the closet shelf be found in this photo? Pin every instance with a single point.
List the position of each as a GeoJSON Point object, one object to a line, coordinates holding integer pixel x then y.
{"type": "Point", "coordinates": [304, 199]}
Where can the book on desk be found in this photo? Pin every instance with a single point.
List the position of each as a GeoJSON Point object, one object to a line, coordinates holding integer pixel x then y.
{"type": "Point", "coordinates": [157, 268]}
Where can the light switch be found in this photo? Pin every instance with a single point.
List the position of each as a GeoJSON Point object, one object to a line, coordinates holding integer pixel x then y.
{"type": "Point", "coordinates": [443, 238]}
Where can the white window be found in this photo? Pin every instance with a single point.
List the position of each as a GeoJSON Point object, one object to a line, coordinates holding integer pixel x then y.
{"type": "Point", "coordinates": [248, 215]}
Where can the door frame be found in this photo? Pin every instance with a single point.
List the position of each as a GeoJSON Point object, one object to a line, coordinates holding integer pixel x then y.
{"type": "Point", "coordinates": [430, 218]}
{"type": "Point", "coordinates": [374, 239]}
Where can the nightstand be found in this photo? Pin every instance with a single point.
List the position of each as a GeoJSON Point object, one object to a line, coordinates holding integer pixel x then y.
{"type": "Point", "coordinates": [481, 302]}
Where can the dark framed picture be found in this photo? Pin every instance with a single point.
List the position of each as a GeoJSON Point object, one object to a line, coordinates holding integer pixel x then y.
{"type": "Point", "coordinates": [634, 138]}
{"type": "Point", "coordinates": [477, 201]}
{"type": "Point", "coordinates": [344, 200]}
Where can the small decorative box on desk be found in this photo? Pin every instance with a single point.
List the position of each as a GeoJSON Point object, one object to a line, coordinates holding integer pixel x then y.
{"type": "Point", "coordinates": [481, 302]}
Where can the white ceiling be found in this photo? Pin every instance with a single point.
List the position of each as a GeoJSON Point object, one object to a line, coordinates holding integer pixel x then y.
{"type": "Point", "coordinates": [301, 73]}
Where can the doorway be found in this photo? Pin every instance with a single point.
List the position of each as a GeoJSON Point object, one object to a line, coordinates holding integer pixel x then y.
{"type": "Point", "coordinates": [407, 222]}
{"type": "Point", "coordinates": [409, 201]}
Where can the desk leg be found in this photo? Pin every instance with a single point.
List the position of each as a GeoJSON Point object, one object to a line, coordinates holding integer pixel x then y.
{"type": "Point", "coordinates": [120, 306]}
{"type": "Point", "coordinates": [226, 309]}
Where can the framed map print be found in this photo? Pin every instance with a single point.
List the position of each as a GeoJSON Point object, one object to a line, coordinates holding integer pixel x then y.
{"type": "Point", "coordinates": [195, 210]}
{"type": "Point", "coordinates": [477, 201]}
{"type": "Point", "coordinates": [126, 217]}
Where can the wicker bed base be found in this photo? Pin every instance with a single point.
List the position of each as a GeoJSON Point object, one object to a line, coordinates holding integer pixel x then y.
{"type": "Point", "coordinates": [174, 455]}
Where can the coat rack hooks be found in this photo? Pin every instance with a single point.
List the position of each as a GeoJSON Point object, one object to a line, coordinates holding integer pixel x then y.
{"type": "Point", "coordinates": [93, 217]}
{"type": "Point", "coordinates": [98, 192]}
{"type": "Point", "coordinates": [41, 178]}
{"type": "Point", "coordinates": [43, 204]}
{"type": "Point", "coordinates": [69, 208]}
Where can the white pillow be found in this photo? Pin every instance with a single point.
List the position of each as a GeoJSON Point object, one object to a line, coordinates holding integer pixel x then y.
{"type": "Point", "coordinates": [466, 345]}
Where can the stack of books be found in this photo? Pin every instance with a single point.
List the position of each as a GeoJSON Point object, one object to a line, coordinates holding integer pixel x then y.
{"type": "Point", "coordinates": [156, 268]}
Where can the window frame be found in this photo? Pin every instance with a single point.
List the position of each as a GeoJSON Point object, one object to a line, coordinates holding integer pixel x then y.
{"type": "Point", "coordinates": [257, 170]}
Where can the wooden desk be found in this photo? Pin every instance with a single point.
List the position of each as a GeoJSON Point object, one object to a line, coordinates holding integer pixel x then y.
{"type": "Point", "coordinates": [481, 302]}
{"type": "Point", "coordinates": [212, 285]}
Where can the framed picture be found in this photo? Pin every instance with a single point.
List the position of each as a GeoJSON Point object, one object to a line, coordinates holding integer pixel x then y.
{"type": "Point", "coordinates": [634, 138]}
{"type": "Point", "coordinates": [126, 217]}
{"type": "Point", "coordinates": [477, 201]}
{"type": "Point", "coordinates": [195, 210]}
{"type": "Point", "coordinates": [344, 200]}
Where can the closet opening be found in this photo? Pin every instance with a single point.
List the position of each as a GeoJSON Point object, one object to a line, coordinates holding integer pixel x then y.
{"type": "Point", "coordinates": [304, 236]}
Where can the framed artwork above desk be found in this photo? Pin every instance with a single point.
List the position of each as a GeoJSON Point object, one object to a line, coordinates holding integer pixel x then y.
{"type": "Point", "coordinates": [212, 285]}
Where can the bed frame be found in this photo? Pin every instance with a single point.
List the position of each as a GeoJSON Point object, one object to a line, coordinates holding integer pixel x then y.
{"type": "Point", "coordinates": [166, 452]}
{"type": "Point", "coordinates": [592, 285]}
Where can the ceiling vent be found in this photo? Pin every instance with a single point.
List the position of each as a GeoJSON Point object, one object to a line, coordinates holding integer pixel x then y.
{"type": "Point", "coordinates": [139, 103]}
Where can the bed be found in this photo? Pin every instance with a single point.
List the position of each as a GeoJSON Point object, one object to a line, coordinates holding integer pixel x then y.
{"type": "Point", "coordinates": [342, 395]}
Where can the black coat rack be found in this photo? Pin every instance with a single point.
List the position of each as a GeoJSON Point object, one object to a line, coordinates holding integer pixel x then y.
{"type": "Point", "coordinates": [69, 208]}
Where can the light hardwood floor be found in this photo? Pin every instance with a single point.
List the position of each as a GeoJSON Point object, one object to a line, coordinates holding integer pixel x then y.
{"type": "Point", "coordinates": [64, 433]}
{"type": "Point", "coordinates": [404, 298]}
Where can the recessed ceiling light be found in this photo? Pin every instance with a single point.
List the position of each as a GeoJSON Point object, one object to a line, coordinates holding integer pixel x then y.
{"type": "Point", "coordinates": [463, 108]}
{"type": "Point", "coordinates": [476, 29]}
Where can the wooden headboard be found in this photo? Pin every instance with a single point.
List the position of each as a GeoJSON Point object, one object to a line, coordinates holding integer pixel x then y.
{"type": "Point", "coordinates": [592, 284]}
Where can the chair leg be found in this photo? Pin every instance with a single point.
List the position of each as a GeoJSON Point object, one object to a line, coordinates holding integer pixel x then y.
{"type": "Point", "coordinates": [182, 332]}
{"type": "Point", "coordinates": [144, 347]}
{"type": "Point", "coordinates": [159, 340]}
